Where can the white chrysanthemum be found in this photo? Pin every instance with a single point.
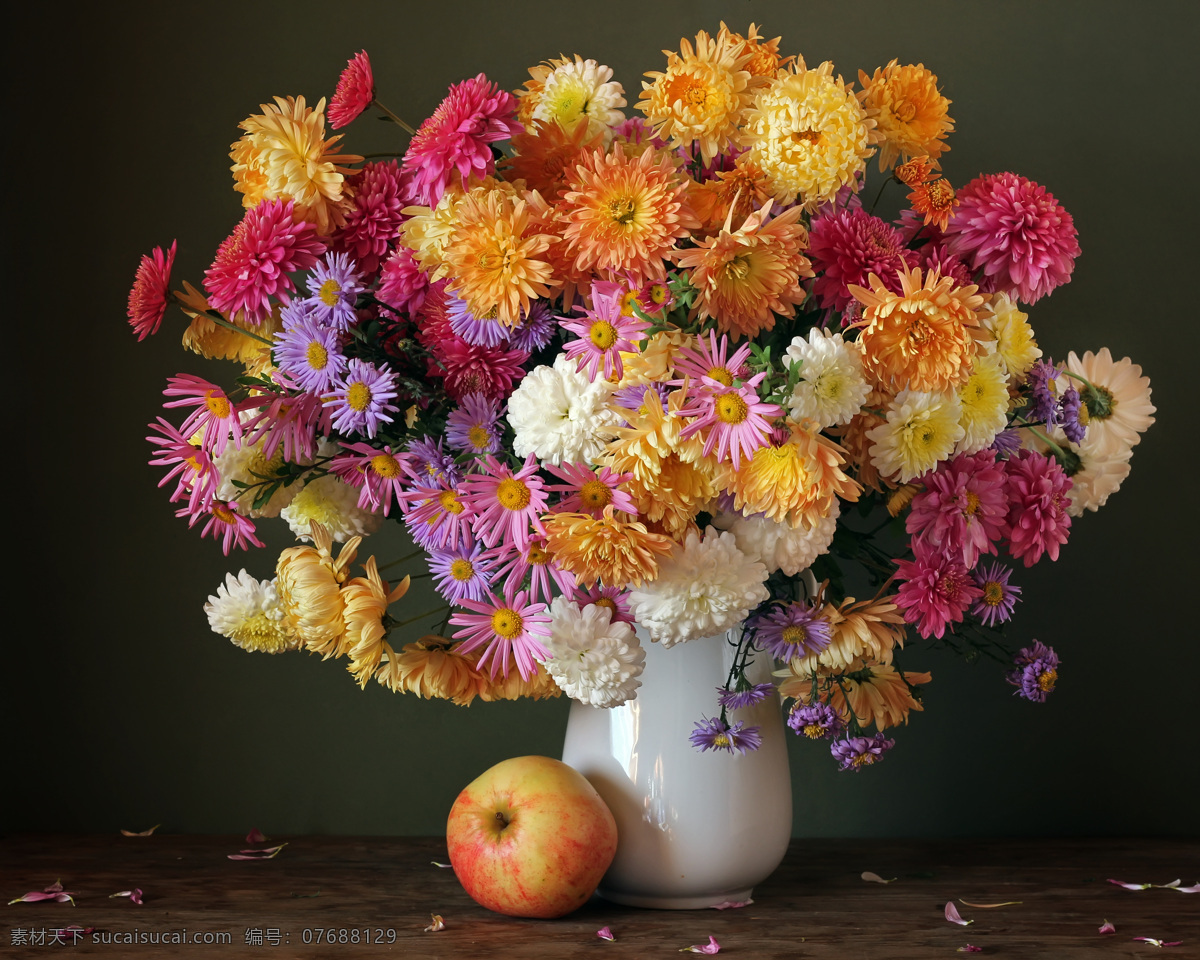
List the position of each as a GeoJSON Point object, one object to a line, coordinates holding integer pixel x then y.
{"type": "Point", "coordinates": [780, 546]}
{"type": "Point", "coordinates": [921, 430]}
{"type": "Point", "coordinates": [581, 91]}
{"type": "Point", "coordinates": [248, 465]}
{"type": "Point", "coordinates": [832, 388]}
{"type": "Point", "coordinates": [704, 588]}
{"type": "Point", "coordinates": [1014, 344]}
{"type": "Point", "coordinates": [984, 400]}
{"type": "Point", "coordinates": [1097, 478]}
{"type": "Point", "coordinates": [1122, 412]}
{"type": "Point", "coordinates": [333, 504]}
{"type": "Point", "coordinates": [247, 611]}
{"type": "Point", "coordinates": [559, 415]}
{"type": "Point", "coordinates": [593, 659]}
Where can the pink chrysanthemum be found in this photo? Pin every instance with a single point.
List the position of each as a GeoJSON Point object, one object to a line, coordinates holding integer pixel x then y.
{"type": "Point", "coordinates": [1038, 520]}
{"type": "Point", "coordinates": [402, 282]}
{"type": "Point", "coordinates": [937, 592]}
{"type": "Point", "coordinates": [225, 524]}
{"type": "Point", "coordinates": [151, 287]}
{"type": "Point", "coordinates": [536, 562]}
{"type": "Point", "coordinates": [935, 256]}
{"type": "Point", "coordinates": [373, 222]}
{"type": "Point", "coordinates": [193, 469]}
{"type": "Point", "coordinates": [213, 412]}
{"type": "Point", "coordinates": [963, 510]}
{"type": "Point", "coordinates": [1016, 232]}
{"type": "Point", "coordinates": [288, 420]}
{"type": "Point", "coordinates": [510, 631]}
{"type": "Point", "coordinates": [733, 419]}
{"type": "Point", "coordinates": [354, 93]}
{"type": "Point", "coordinates": [470, 369]}
{"type": "Point", "coordinates": [604, 331]}
{"type": "Point", "coordinates": [253, 262]}
{"type": "Point", "coordinates": [613, 599]}
{"type": "Point", "coordinates": [590, 491]}
{"type": "Point", "coordinates": [474, 114]}
{"type": "Point", "coordinates": [436, 517]}
{"type": "Point", "coordinates": [847, 247]}
{"type": "Point", "coordinates": [504, 505]}
{"type": "Point", "coordinates": [709, 364]}
{"type": "Point", "coordinates": [379, 472]}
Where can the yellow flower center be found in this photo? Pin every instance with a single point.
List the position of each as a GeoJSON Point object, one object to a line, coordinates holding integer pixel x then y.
{"type": "Point", "coordinates": [507, 623]}
{"type": "Point", "coordinates": [512, 494]}
{"type": "Point", "coordinates": [805, 136]}
{"type": "Point", "coordinates": [731, 408]}
{"type": "Point", "coordinates": [814, 731]}
{"type": "Point", "coordinates": [628, 301]}
{"type": "Point", "coordinates": [993, 593]}
{"type": "Point", "coordinates": [217, 405]}
{"type": "Point", "coordinates": [622, 210]}
{"type": "Point", "coordinates": [224, 514]}
{"type": "Point", "coordinates": [972, 504]}
{"type": "Point", "coordinates": [721, 375]}
{"type": "Point", "coordinates": [316, 356]}
{"type": "Point", "coordinates": [659, 293]}
{"type": "Point", "coordinates": [940, 194]}
{"type": "Point", "coordinates": [1047, 679]}
{"type": "Point", "coordinates": [606, 602]}
{"type": "Point", "coordinates": [462, 570]}
{"type": "Point", "coordinates": [925, 434]}
{"type": "Point", "coordinates": [449, 501]}
{"type": "Point", "coordinates": [478, 438]}
{"type": "Point", "coordinates": [603, 334]}
{"type": "Point", "coordinates": [537, 556]}
{"type": "Point", "coordinates": [330, 292]}
{"type": "Point", "coordinates": [863, 760]}
{"type": "Point", "coordinates": [385, 465]}
{"type": "Point", "coordinates": [595, 495]}
{"type": "Point", "coordinates": [358, 396]}
{"type": "Point", "coordinates": [794, 635]}
{"type": "Point", "coordinates": [738, 268]}
{"type": "Point", "coordinates": [720, 740]}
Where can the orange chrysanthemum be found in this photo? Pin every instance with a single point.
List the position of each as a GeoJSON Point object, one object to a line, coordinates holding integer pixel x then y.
{"type": "Point", "coordinates": [432, 669]}
{"type": "Point", "coordinates": [765, 60]}
{"type": "Point", "coordinates": [916, 171]}
{"type": "Point", "coordinates": [309, 581]}
{"type": "Point", "coordinates": [922, 338]}
{"type": "Point", "coordinates": [539, 686]}
{"type": "Point", "coordinates": [607, 549]}
{"type": "Point", "coordinates": [214, 342]}
{"type": "Point", "coordinates": [624, 215]}
{"type": "Point", "coordinates": [854, 440]}
{"type": "Point", "coordinates": [545, 152]}
{"type": "Point", "coordinates": [878, 693]}
{"type": "Point", "coordinates": [365, 602]}
{"type": "Point", "coordinates": [909, 111]}
{"type": "Point", "coordinates": [935, 201]}
{"type": "Point", "coordinates": [867, 629]}
{"type": "Point", "coordinates": [745, 277]}
{"type": "Point", "coordinates": [735, 194]}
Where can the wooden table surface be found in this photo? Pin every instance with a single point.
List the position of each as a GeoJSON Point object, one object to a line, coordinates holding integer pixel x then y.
{"type": "Point", "coordinates": [816, 905]}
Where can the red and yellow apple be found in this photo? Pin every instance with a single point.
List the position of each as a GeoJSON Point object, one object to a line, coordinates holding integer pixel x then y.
{"type": "Point", "coordinates": [530, 838]}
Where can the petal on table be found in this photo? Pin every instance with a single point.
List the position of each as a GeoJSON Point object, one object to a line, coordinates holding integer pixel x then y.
{"type": "Point", "coordinates": [953, 916]}
{"type": "Point", "coordinates": [605, 933]}
{"type": "Point", "coordinates": [436, 923]}
{"type": "Point", "coordinates": [875, 878]}
{"type": "Point", "coordinates": [710, 948]}
{"type": "Point", "coordinates": [139, 833]}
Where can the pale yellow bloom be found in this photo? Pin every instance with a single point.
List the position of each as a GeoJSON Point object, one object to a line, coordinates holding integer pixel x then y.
{"type": "Point", "coordinates": [309, 581]}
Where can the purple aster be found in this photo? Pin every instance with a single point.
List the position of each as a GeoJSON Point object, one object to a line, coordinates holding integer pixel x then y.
{"type": "Point", "coordinates": [1007, 443]}
{"type": "Point", "coordinates": [310, 352]}
{"type": "Point", "coordinates": [717, 735]}
{"type": "Point", "coordinates": [737, 699]}
{"type": "Point", "coordinates": [335, 286]}
{"type": "Point", "coordinates": [361, 399]}
{"type": "Point", "coordinates": [1069, 415]}
{"type": "Point", "coordinates": [462, 572]}
{"type": "Point", "coordinates": [631, 398]}
{"type": "Point", "coordinates": [999, 596]}
{"type": "Point", "coordinates": [815, 721]}
{"type": "Point", "coordinates": [792, 631]}
{"type": "Point", "coordinates": [479, 331]}
{"type": "Point", "coordinates": [430, 463]}
{"type": "Point", "coordinates": [1043, 405]}
{"type": "Point", "coordinates": [535, 330]}
{"type": "Point", "coordinates": [1036, 672]}
{"type": "Point", "coordinates": [854, 753]}
{"type": "Point", "coordinates": [474, 426]}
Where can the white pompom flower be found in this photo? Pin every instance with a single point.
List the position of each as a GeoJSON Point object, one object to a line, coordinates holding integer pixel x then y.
{"type": "Point", "coordinates": [593, 658]}
{"type": "Point", "coordinates": [333, 503]}
{"type": "Point", "coordinates": [248, 612]}
{"type": "Point", "coordinates": [780, 546]}
{"type": "Point", "coordinates": [559, 415]}
{"type": "Point", "coordinates": [832, 387]}
{"type": "Point", "coordinates": [705, 587]}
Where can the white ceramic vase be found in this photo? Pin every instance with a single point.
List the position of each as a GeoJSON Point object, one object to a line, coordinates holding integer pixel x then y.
{"type": "Point", "coordinates": [694, 829]}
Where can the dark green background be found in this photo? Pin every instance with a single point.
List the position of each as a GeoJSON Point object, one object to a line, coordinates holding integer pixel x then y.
{"type": "Point", "coordinates": [122, 709]}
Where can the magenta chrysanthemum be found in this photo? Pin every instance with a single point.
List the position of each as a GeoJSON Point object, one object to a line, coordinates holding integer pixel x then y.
{"type": "Point", "coordinates": [354, 92]}
{"type": "Point", "coordinates": [963, 509]}
{"type": "Point", "coordinates": [470, 369]}
{"type": "Point", "coordinates": [402, 283]}
{"type": "Point", "coordinates": [1037, 495]}
{"type": "Point", "coordinates": [289, 420]}
{"type": "Point", "coordinates": [373, 223]}
{"type": "Point", "coordinates": [475, 114]}
{"type": "Point", "coordinates": [192, 468]}
{"type": "Point", "coordinates": [937, 592]}
{"type": "Point", "coordinates": [510, 631]}
{"type": "Point", "coordinates": [151, 287]}
{"type": "Point", "coordinates": [380, 474]}
{"type": "Point", "coordinates": [534, 562]}
{"type": "Point", "coordinates": [709, 365]}
{"type": "Point", "coordinates": [590, 491]}
{"type": "Point", "coordinates": [847, 247]}
{"type": "Point", "coordinates": [253, 262]}
{"type": "Point", "coordinates": [1016, 233]}
{"type": "Point", "coordinates": [435, 516]}
{"type": "Point", "coordinates": [504, 505]}
{"type": "Point", "coordinates": [225, 524]}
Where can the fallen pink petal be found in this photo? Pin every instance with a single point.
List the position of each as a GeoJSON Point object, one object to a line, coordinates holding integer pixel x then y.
{"type": "Point", "coordinates": [1173, 885]}
{"type": "Point", "coordinates": [875, 878]}
{"type": "Point", "coordinates": [605, 933]}
{"type": "Point", "coordinates": [1107, 927]}
{"type": "Point", "coordinates": [953, 916]}
{"type": "Point", "coordinates": [53, 892]}
{"type": "Point", "coordinates": [990, 906]}
{"type": "Point", "coordinates": [1160, 943]}
{"type": "Point", "coordinates": [264, 854]}
{"type": "Point", "coordinates": [135, 895]}
{"type": "Point", "coordinates": [1194, 888]}
{"type": "Point", "coordinates": [139, 833]}
{"type": "Point", "coordinates": [730, 904]}
{"type": "Point", "coordinates": [436, 923]}
{"type": "Point", "coordinates": [256, 836]}
{"type": "Point", "coordinates": [710, 948]}
{"type": "Point", "coordinates": [970, 948]}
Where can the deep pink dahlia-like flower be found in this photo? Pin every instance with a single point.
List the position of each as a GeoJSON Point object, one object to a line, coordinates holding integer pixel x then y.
{"type": "Point", "coordinates": [1037, 506]}
{"type": "Point", "coordinates": [254, 261]}
{"type": "Point", "coordinates": [467, 368]}
{"type": "Point", "coordinates": [847, 247]}
{"type": "Point", "coordinates": [963, 509]}
{"type": "Point", "coordinates": [937, 592]}
{"type": "Point", "coordinates": [1016, 232]}
{"type": "Point", "coordinates": [374, 222]}
{"type": "Point", "coordinates": [474, 114]}
{"type": "Point", "coordinates": [354, 93]}
{"type": "Point", "coordinates": [151, 287]}
{"type": "Point", "coordinates": [935, 256]}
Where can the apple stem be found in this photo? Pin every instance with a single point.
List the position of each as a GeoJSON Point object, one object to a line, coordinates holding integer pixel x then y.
{"type": "Point", "coordinates": [501, 819]}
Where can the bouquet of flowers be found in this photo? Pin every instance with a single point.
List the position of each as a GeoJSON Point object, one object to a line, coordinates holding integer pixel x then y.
{"type": "Point", "coordinates": [661, 368]}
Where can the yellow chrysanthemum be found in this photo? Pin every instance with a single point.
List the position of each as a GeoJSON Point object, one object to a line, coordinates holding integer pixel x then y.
{"type": "Point", "coordinates": [765, 60]}
{"type": "Point", "coordinates": [214, 342]}
{"type": "Point", "coordinates": [809, 134]}
{"type": "Point", "coordinates": [284, 154]}
{"type": "Point", "coordinates": [623, 215]}
{"type": "Point", "coordinates": [577, 93]}
{"type": "Point", "coordinates": [656, 361]}
{"type": "Point", "coordinates": [365, 601]}
{"type": "Point", "coordinates": [878, 694]}
{"type": "Point", "coordinates": [792, 480]}
{"type": "Point", "coordinates": [432, 669]}
{"type": "Point", "coordinates": [427, 231]}
{"type": "Point", "coordinates": [984, 400]}
{"type": "Point", "coordinates": [746, 276]}
{"type": "Point", "coordinates": [309, 581]}
{"type": "Point", "coordinates": [539, 686]}
{"type": "Point", "coordinates": [920, 431]}
{"type": "Point", "coordinates": [908, 110]}
{"type": "Point", "coordinates": [922, 338]}
{"type": "Point", "coordinates": [1015, 344]}
{"type": "Point", "coordinates": [607, 549]}
{"type": "Point", "coordinates": [701, 96]}
{"type": "Point", "coordinates": [867, 629]}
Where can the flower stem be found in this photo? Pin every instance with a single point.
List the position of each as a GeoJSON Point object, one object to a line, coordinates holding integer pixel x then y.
{"type": "Point", "coordinates": [395, 119]}
{"type": "Point", "coordinates": [407, 556]}
{"type": "Point", "coordinates": [216, 318]}
{"type": "Point", "coordinates": [420, 616]}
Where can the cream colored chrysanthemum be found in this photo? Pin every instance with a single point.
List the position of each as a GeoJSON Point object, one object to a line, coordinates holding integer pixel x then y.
{"type": "Point", "coordinates": [921, 430]}
{"type": "Point", "coordinates": [1119, 411]}
{"type": "Point", "coordinates": [984, 400]}
{"type": "Point", "coordinates": [705, 587]}
{"type": "Point", "coordinates": [559, 415]}
{"type": "Point", "coordinates": [593, 658]}
{"type": "Point", "coordinates": [427, 231]}
{"type": "Point", "coordinates": [432, 669]}
{"type": "Point", "coordinates": [579, 91]}
{"type": "Point", "coordinates": [832, 388]}
{"type": "Point", "coordinates": [1009, 335]}
{"type": "Point", "coordinates": [909, 110]}
{"type": "Point", "coordinates": [248, 465]}
{"type": "Point", "coordinates": [808, 134]}
{"type": "Point", "coordinates": [365, 602]}
{"type": "Point", "coordinates": [248, 612]}
{"type": "Point", "coordinates": [780, 546]}
{"type": "Point", "coordinates": [309, 582]}
{"type": "Point", "coordinates": [333, 503]}
{"type": "Point", "coordinates": [1095, 477]}
{"type": "Point", "coordinates": [284, 155]}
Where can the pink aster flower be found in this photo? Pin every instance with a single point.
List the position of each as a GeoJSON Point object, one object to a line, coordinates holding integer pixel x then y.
{"type": "Point", "coordinates": [225, 524]}
{"type": "Point", "coordinates": [937, 592]}
{"type": "Point", "coordinates": [354, 93]}
{"type": "Point", "coordinates": [466, 369]}
{"type": "Point", "coordinates": [288, 420]}
{"type": "Point", "coordinates": [846, 247]}
{"type": "Point", "coordinates": [963, 509]}
{"type": "Point", "coordinates": [373, 223]}
{"type": "Point", "coordinates": [709, 363]}
{"type": "Point", "coordinates": [510, 631]}
{"type": "Point", "coordinates": [613, 599]}
{"type": "Point", "coordinates": [504, 505]}
{"type": "Point", "coordinates": [1016, 233]}
{"type": "Point", "coordinates": [191, 466]}
{"type": "Point", "coordinates": [380, 473]}
{"type": "Point", "coordinates": [513, 565]}
{"type": "Point", "coordinates": [1038, 521]}
{"type": "Point", "coordinates": [590, 491]}
{"type": "Point", "coordinates": [151, 287]}
{"type": "Point", "coordinates": [734, 420]}
{"type": "Point", "coordinates": [213, 412]}
{"type": "Point", "coordinates": [253, 262]}
{"type": "Point", "coordinates": [475, 114]}
{"type": "Point", "coordinates": [604, 331]}
{"type": "Point", "coordinates": [436, 516]}
{"type": "Point", "coordinates": [402, 283]}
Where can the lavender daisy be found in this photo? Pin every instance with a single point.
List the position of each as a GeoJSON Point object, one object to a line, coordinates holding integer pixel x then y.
{"type": "Point", "coordinates": [479, 331]}
{"type": "Point", "coordinates": [1036, 672]}
{"type": "Point", "coordinates": [854, 753]}
{"type": "Point", "coordinates": [999, 596]}
{"type": "Point", "coordinates": [431, 464]}
{"type": "Point", "coordinates": [461, 573]}
{"type": "Point", "coordinates": [816, 721]}
{"type": "Point", "coordinates": [1007, 443]}
{"type": "Point", "coordinates": [792, 631]}
{"type": "Point", "coordinates": [631, 398]}
{"type": "Point", "coordinates": [535, 330]}
{"type": "Point", "coordinates": [1043, 405]}
{"type": "Point", "coordinates": [310, 353]}
{"type": "Point", "coordinates": [715, 734]}
{"type": "Point", "coordinates": [1069, 416]}
{"type": "Point", "coordinates": [361, 399]}
{"type": "Point", "coordinates": [335, 285]}
{"type": "Point", "coordinates": [474, 426]}
{"type": "Point", "coordinates": [737, 699]}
